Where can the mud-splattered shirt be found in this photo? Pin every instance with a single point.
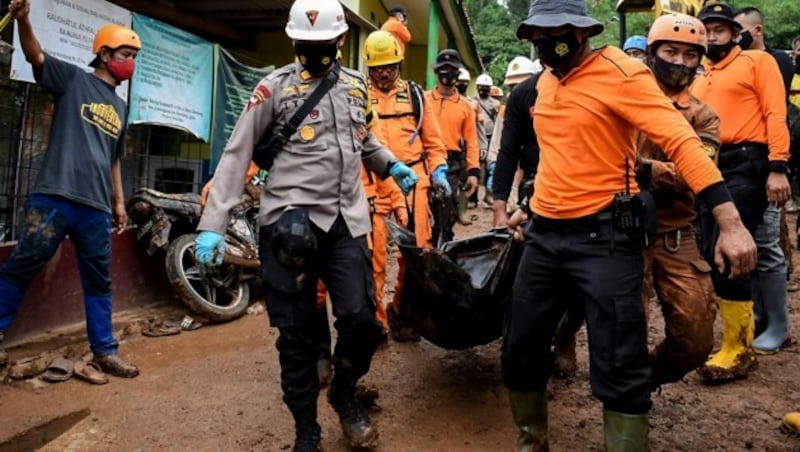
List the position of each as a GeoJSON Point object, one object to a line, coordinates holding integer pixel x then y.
{"type": "Point", "coordinates": [86, 137]}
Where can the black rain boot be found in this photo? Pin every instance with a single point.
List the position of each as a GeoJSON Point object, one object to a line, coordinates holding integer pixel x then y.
{"type": "Point", "coordinates": [308, 434]}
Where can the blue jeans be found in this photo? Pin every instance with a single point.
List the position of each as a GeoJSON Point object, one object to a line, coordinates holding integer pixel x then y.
{"type": "Point", "coordinates": [49, 219]}
{"type": "Point", "coordinates": [767, 237]}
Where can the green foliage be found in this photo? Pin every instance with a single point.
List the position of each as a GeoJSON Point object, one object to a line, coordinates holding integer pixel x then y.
{"type": "Point", "coordinates": [495, 34]}
{"type": "Point", "coordinates": [495, 24]}
{"type": "Point", "coordinates": [781, 19]}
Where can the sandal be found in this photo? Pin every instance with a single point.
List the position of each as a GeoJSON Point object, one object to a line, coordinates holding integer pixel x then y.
{"type": "Point", "coordinates": [91, 372]}
{"type": "Point", "coordinates": [165, 328]}
{"type": "Point", "coordinates": [58, 370]}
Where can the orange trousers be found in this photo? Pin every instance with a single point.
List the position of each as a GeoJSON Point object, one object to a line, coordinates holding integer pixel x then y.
{"type": "Point", "coordinates": [423, 225]}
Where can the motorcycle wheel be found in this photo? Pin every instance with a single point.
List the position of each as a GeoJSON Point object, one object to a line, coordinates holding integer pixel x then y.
{"type": "Point", "coordinates": [220, 296]}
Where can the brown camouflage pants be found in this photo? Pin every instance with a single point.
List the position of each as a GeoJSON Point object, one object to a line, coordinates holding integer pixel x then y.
{"type": "Point", "coordinates": [681, 280]}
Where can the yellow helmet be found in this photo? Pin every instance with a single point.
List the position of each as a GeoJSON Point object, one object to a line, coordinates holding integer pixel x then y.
{"type": "Point", "coordinates": [381, 48]}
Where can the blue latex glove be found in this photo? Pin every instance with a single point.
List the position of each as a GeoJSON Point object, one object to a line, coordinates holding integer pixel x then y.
{"type": "Point", "coordinates": [490, 177]}
{"type": "Point", "coordinates": [209, 247]}
{"type": "Point", "coordinates": [439, 179]}
{"type": "Point", "coordinates": [404, 176]}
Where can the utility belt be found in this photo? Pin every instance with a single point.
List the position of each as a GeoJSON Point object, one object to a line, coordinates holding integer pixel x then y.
{"type": "Point", "coordinates": [580, 224]}
{"type": "Point", "coordinates": [732, 155]}
{"type": "Point", "coordinates": [635, 215]}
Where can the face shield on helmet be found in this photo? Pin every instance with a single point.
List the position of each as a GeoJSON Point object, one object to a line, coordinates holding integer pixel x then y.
{"type": "Point", "coordinates": [315, 26]}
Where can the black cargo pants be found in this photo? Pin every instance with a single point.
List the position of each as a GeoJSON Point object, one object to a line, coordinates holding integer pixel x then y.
{"type": "Point", "coordinates": [745, 169]}
{"type": "Point", "coordinates": [345, 265]}
{"type": "Point", "coordinates": [580, 261]}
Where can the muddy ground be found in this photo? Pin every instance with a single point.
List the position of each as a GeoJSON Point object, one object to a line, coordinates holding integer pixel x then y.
{"type": "Point", "coordinates": [217, 388]}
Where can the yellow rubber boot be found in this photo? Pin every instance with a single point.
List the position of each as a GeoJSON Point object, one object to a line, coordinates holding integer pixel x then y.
{"type": "Point", "coordinates": [735, 358]}
{"type": "Point", "coordinates": [791, 423]}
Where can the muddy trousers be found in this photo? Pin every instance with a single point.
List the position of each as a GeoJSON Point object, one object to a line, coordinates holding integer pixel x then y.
{"type": "Point", "coordinates": [566, 263]}
{"type": "Point", "coordinates": [344, 264]}
{"type": "Point", "coordinates": [49, 219]}
{"type": "Point", "coordinates": [682, 281]}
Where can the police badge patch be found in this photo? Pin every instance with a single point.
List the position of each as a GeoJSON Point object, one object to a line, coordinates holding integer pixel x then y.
{"type": "Point", "coordinates": [260, 94]}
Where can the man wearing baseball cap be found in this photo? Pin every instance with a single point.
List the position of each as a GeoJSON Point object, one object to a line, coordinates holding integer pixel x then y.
{"type": "Point", "coordinates": [589, 222]}
{"type": "Point", "coordinates": [745, 88]}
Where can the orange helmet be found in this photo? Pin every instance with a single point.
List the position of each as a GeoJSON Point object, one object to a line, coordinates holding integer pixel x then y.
{"type": "Point", "coordinates": [678, 28]}
{"type": "Point", "coordinates": [113, 36]}
{"type": "Point", "coordinates": [495, 91]}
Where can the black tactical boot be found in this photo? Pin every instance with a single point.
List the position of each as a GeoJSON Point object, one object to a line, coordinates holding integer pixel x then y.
{"type": "Point", "coordinates": [307, 431]}
{"type": "Point", "coordinates": [356, 426]}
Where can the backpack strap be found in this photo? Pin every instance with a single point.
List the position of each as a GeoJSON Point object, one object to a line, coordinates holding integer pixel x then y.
{"type": "Point", "coordinates": [417, 104]}
{"type": "Point", "coordinates": [267, 148]}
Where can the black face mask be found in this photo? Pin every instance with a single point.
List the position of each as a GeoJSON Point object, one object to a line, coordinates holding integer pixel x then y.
{"type": "Point", "coordinates": [447, 78]}
{"type": "Point", "coordinates": [462, 89]}
{"type": "Point", "coordinates": [557, 51]}
{"type": "Point", "coordinates": [745, 40]}
{"type": "Point", "coordinates": [673, 76]}
{"type": "Point", "coordinates": [483, 93]}
{"type": "Point", "coordinates": [716, 52]}
{"type": "Point", "coordinates": [315, 58]}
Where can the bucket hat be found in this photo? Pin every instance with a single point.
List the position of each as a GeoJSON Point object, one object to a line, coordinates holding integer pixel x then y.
{"type": "Point", "coordinates": [555, 13]}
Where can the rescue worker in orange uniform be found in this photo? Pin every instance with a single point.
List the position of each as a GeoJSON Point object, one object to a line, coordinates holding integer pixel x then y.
{"type": "Point", "coordinates": [681, 278]}
{"type": "Point", "coordinates": [458, 124]}
{"type": "Point", "coordinates": [414, 138]}
{"type": "Point", "coordinates": [745, 88]}
{"type": "Point", "coordinates": [396, 24]}
{"type": "Point", "coordinates": [585, 241]}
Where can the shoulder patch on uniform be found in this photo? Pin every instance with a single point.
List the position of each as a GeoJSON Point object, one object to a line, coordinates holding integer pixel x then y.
{"type": "Point", "coordinates": [259, 95]}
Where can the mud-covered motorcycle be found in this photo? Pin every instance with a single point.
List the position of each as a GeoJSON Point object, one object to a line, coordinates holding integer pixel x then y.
{"type": "Point", "coordinates": [167, 222]}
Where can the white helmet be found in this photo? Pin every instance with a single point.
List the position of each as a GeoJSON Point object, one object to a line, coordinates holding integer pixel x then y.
{"type": "Point", "coordinates": [521, 68]}
{"type": "Point", "coordinates": [484, 80]}
{"type": "Point", "coordinates": [463, 75]}
{"type": "Point", "coordinates": [316, 20]}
